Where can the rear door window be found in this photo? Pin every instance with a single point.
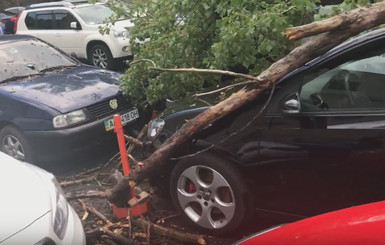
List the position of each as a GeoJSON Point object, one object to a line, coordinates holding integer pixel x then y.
{"type": "Point", "coordinates": [40, 20]}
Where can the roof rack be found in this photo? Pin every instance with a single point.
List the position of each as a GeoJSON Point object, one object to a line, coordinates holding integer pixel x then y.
{"type": "Point", "coordinates": [50, 4]}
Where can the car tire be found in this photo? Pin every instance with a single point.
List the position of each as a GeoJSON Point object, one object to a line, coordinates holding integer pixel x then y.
{"type": "Point", "coordinates": [14, 143]}
{"type": "Point", "coordinates": [194, 193]}
{"type": "Point", "coordinates": [100, 56]}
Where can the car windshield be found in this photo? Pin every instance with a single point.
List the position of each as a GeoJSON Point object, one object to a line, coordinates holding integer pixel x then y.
{"type": "Point", "coordinates": [95, 14]}
{"type": "Point", "coordinates": [26, 57]}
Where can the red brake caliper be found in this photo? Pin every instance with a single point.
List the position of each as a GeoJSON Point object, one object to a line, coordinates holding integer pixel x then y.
{"type": "Point", "coordinates": [191, 188]}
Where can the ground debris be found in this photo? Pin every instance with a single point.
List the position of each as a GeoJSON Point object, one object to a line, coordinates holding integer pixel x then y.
{"type": "Point", "coordinates": [87, 193]}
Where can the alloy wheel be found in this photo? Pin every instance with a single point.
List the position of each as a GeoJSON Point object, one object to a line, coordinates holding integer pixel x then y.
{"type": "Point", "coordinates": [99, 58]}
{"type": "Point", "coordinates": [206, 197]}
{"type": "Point", "coordinates": [13, 147]}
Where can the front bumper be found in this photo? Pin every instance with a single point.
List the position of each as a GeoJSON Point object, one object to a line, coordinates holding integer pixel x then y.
{"type": "Point", "coordinates": [120, 47]}
{"type": "Point", "coordinates": [41, 232]}
{"type": "Point", "coordinates": [66, 143]}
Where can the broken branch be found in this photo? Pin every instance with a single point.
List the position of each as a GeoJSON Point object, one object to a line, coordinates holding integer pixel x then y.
{"type": "Point", "coordinates": [114, 236]}
{"type": "Point", "coordinates": [76, 182]}
{"type": "Point", "coordinates": [374, 12]}
{"type": "Point", "coordinates": [90, 194]}
{"type": "Point", "coordinates": [204, 71]}
{"type": "Point", "coordinates": [171, 233]}
{"type": "Point", "coordinates": [96, 212]}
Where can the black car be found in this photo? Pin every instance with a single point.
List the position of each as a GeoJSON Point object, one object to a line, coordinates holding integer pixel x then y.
{"type": "Point", "coordinates": [8, 18]}
{"type": "Point", "coordinates": [318, 146]}
{"type": "Point", "coordinates": [54, 107]}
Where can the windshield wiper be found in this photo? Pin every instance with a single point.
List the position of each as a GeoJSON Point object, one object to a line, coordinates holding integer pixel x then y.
{"type": "Point", "coordinates": [10, 79]}
{"type": "Point", "coordinates": [53, 68]}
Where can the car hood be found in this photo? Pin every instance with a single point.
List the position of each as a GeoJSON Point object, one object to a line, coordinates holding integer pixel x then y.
{"type": "Point", "coordinates": [24, 196]}
{"type": "Point", "coordinates": [66, 90]}
{"type": "Point", "coordinates": [122, 25]}
{"type": "Point", "coordinates": [188, 104]}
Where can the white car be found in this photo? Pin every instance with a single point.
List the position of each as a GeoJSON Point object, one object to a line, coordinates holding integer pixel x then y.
{"type": "Point", "coordinates": [33, 208]}
{"type": "Point", "coordinates": [74, 28]}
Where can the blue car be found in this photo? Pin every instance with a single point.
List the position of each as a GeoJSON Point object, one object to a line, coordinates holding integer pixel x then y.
{"type": "Point", "coordinates": [52, 106]}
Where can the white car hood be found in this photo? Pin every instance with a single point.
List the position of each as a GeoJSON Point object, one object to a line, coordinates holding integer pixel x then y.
{"type": "Point", "coordinates": [122, 25]}
{"type": "Point", "coordinates": [24, 196]}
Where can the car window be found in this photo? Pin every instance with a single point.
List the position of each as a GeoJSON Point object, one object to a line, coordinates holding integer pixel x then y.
{"type": "Point", "coordinates": [95, 14]}
{"type": "Point", "coordinates": [355, 84]}
{"type": "Point", "coordinates": [29, 57]}
{"type": "Point", "coordinates": [41, 20]}
{"type": "Point", "coordinates": [63, 20]}
{"type": "Point", "coordinates": [44, 20]}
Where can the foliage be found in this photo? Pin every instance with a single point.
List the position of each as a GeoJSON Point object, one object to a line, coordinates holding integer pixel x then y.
{"type": "Point", "coordinates": [237, 35]}
{"type": "Point", "coordinates": [346, 5]}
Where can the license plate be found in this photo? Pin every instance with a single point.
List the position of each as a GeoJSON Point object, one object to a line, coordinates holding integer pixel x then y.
{"type": "Point", "coordinates": [125, 118]}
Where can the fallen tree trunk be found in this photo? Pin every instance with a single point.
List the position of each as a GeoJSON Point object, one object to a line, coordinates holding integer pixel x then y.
{"type": "Point", "coordinates": [348, 24]}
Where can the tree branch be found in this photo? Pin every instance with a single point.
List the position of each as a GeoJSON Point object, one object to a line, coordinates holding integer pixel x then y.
{"type": "Point", "coordinates": [90, 194]}
{"type": "Point", "coordinates": [114, 236]}
{"type": "Point", "coordinates": [143, 60]}
{"type": "Point", "coordinates": [375, 11]}
{"type": "Point", "coordinates": [204, 71]}
{"type": "Point", "coordinates": [79, 181]}
{"type": "Point", "coordinates": [94, 211]}
{"type": "Point", "coordinates": [224, 88]}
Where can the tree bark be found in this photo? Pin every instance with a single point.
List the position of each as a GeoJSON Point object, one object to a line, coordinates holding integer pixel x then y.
{"type": "Point", "coordinates": [371, 15]}
{"type": "Point", "coordinates": [353, 23]}
{"type": "Point", "coordinates": [182, 237]}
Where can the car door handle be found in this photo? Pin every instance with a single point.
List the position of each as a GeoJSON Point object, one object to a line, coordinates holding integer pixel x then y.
{"type": "Point", "coordinates": [57, 35]}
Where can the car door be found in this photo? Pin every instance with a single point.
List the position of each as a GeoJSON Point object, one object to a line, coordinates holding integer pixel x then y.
{"type": "Point", "coordinates": [328, 135]}
{"type": "Point", "coordinates": [67, 38]}
{"type": "Point", "coordinates": [54, 27]}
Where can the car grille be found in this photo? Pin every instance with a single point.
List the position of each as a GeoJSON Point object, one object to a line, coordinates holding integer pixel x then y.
{"type": "Point", "coordinates": [102, 109]}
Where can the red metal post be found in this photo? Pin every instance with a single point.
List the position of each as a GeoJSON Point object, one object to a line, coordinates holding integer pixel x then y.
{"type": "Point", "coordinates": [118, 129]}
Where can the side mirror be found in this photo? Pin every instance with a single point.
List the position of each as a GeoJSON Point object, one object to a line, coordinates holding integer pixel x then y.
{"type": "Point", "coordinates": [74, 56]}
{"type": "Point", "coordinates": [291, 104]}
{"type": "Point", "coordinates": [75, 25]}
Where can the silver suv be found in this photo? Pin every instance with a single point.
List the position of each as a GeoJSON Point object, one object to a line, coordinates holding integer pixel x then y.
{"type": "Point", "coordinates": [74, 28]}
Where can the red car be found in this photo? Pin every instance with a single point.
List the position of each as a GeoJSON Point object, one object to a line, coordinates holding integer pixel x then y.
{"type": "Point", "coordinates": [358, 225]}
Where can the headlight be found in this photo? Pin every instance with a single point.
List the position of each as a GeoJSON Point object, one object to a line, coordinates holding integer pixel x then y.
{"type": "Point", "coordinates": [124, 33]}
{"type": "Point", "coordinates": [68, 119]}
{"type": "Point", "coordinates": [154, 128]}
{"type": "Point", "coordinates": [60, 212]}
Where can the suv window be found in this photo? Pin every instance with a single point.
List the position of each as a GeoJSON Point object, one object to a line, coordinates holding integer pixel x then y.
{"type": "Point", "coordinates": [355, 84]}
{"type": "Point", "coordinates": [48, 20]}
{"type": "Point", "coordinates": [96, 14]}
{"type": "Point", "coordinates": [63, 19]}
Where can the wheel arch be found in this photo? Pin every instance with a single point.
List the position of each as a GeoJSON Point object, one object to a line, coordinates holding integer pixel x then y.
{"type": "Point", "coordinates": [4, 124]}
{"type": "Point", "coordinates": [245, 195]}
{"type": "Point", "coordinates": [92, 43]}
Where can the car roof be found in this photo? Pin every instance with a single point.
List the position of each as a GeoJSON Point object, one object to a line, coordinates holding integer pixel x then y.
{"type": "Point", "coordinates": [50, 4]}
{"type": "Point", "coordinates": [64, 3]}
{"type": "Point", "coordinates": [355, 41]}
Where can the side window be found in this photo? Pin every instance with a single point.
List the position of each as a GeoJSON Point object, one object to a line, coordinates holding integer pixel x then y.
{"type": "Point", "coordinates": [357, 83]}
{"type": "Point", "coordinates": [30, 21]}
{"type": "Point", "coordinates": [63, 20]}
{"type": "Point", "coordinates": [44, 20]}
